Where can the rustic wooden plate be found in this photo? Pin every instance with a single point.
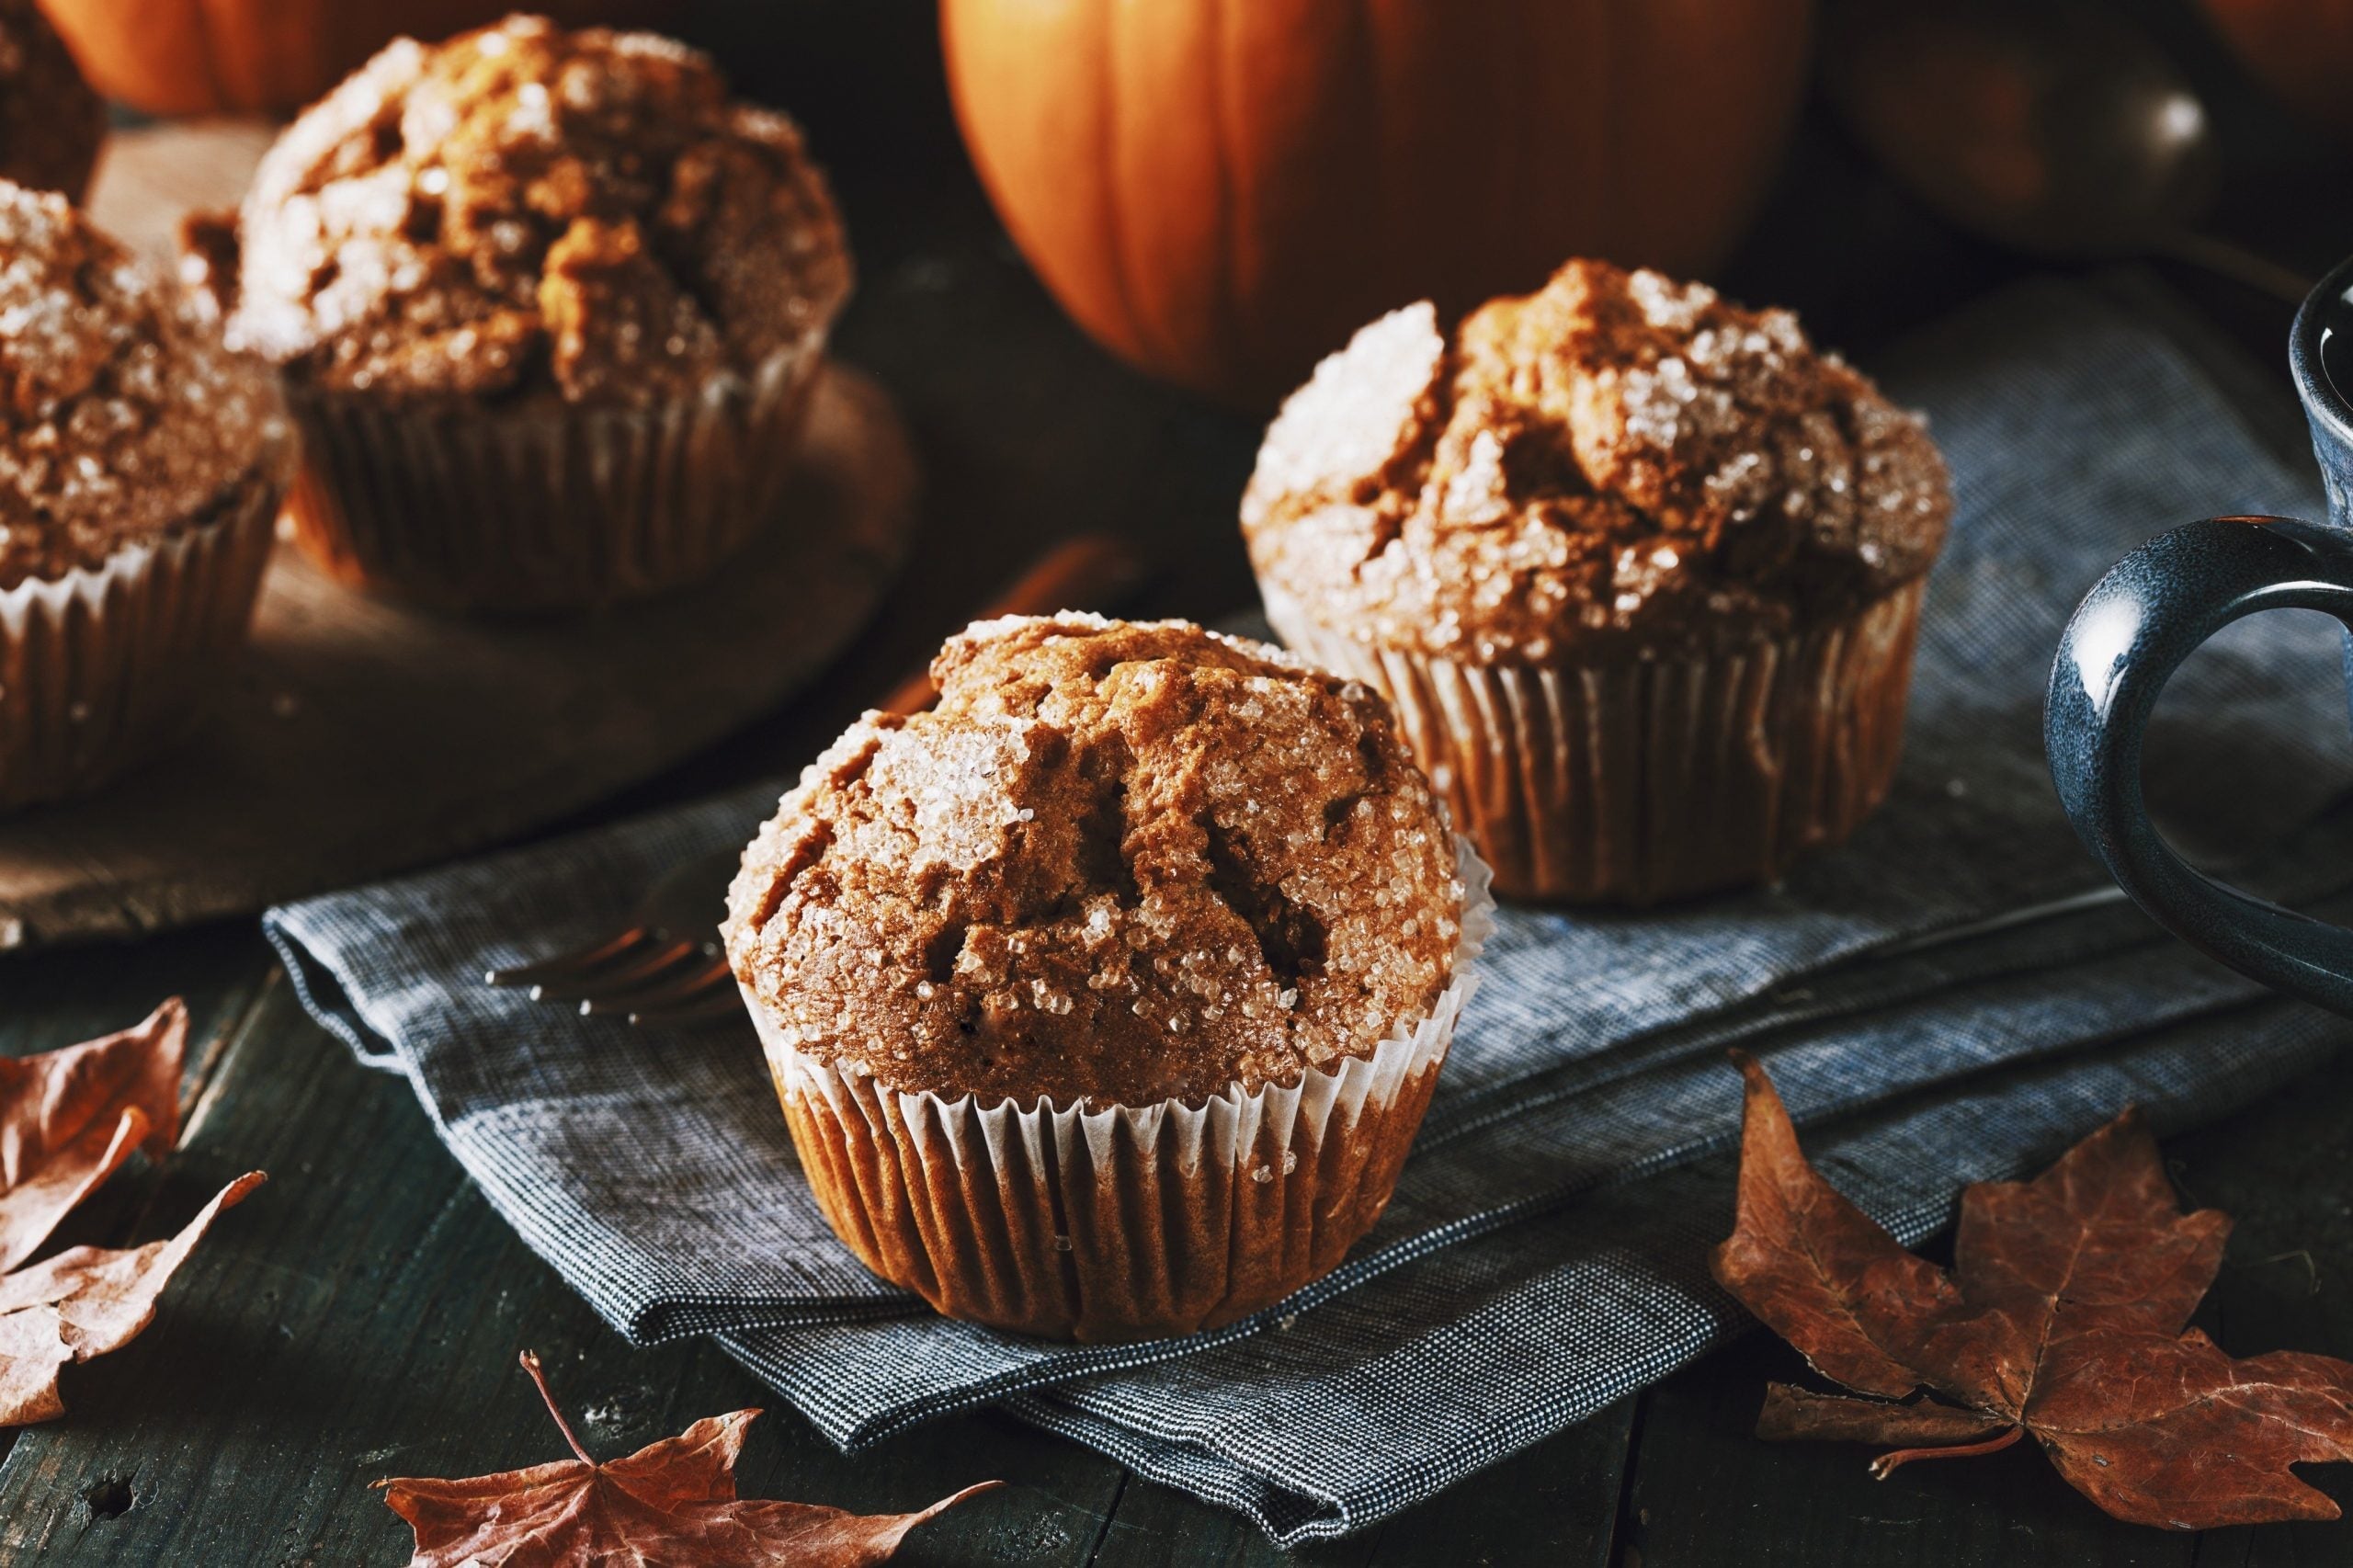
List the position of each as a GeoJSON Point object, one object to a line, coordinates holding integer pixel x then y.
{"type": "Point", "coordinates": [358, 738]}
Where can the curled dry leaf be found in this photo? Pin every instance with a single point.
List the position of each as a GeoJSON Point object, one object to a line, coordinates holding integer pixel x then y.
{"type": "Point", "coordinates": [84, 1302]}
{"type": "Point", "coordinates": [670, 1502]}
{"type": "Point", "coordinates": [70, 1118]}
{"type": "Point", "coordinates": [2065, 1318]}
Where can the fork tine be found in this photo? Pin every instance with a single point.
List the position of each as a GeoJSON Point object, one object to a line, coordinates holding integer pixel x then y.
{"type": "Point", "coordinates": [722, 1004]}
{"type": "Point", "coordinates": [578, 961]}
{"type": "Point", "coordinates": [664, 993]}
{"type": "Point", "coordinates": [648, 966]}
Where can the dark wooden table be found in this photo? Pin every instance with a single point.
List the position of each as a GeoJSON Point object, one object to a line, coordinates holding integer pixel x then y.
{"type": "Point", "coordinates": [360, 1317]}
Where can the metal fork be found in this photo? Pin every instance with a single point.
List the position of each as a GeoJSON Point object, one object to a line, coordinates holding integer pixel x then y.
{"type": "Point", "coordinates": [666, 968]}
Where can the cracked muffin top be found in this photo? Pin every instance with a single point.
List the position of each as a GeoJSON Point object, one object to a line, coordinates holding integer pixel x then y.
{"type": "Point", "coordinates": [50, 121]}
{"type": "Point", "coordinates": [1615, 463]}
{"type": "Point", "coordinates": [123, 418]}
{"type": "Point", "coordinates": [523, 208]}
{"type": "Point", "coordinates": [1117, 862]}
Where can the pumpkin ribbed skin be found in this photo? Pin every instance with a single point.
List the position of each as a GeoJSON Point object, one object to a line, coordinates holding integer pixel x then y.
{"type": "Point", "coordinates": [1220, 190]}
{"type": "Point", "coordinates": [174, 57]}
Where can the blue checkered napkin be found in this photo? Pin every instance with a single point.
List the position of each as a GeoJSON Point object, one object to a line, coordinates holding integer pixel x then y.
{"type": "Point", "coordinates": [1545, 1251]}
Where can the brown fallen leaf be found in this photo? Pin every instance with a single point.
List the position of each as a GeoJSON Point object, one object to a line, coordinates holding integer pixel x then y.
{"type": "Point", "coordinates": [70, 1118]}
{"type": "Point", "coordinates": [84, 1302]}
{"type": "Point", "coordinates": [2065, 1317]}
{"type": "Point", "coordinates": [670, 1502]}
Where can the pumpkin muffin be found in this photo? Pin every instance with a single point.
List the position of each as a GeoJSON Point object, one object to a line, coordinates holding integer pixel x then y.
{"type": "Point", "coordinates": [1640, 570]}
{"type": "Point", "coordinates": [1104, 997]}
{"type": "Point", "coordinates": [550, 307]}
{"type": "Point", "coordinates": [140, 468]}
{"type": "Point", "coordinates": [51, 124]}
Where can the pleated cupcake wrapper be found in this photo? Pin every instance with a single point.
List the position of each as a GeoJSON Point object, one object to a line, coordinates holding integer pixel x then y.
{"type": "Point", "coordinates": [103, 664]}
{"type": "Point", "coordinates": [544, 507]}
{"type": "Point", "coordinates": [1645, 780]}
{"type": "Point", "coordinates": [1128, 1222]}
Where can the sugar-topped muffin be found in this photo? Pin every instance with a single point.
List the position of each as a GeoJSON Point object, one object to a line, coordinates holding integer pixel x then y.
{"type": "Point", "coordinates": [533, 252]}
{"type": "Point", "coordinates": [1104, 998]}
{"type": "Point", "coordinates": [123, 419]}
{"type": "Point", "coordinates": [1117, 862]}
{"type": "Point", "coordinates": [1669, 513]}
{"type": "Point", "coordinates": [524, 207]}
{"type": "Point", "coordinates": [141, 467]}
{"type": "Point", "coordinates": [1617, 462]}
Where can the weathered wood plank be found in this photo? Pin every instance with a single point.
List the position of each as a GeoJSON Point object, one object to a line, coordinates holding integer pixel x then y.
{"type": "Point", "coordinates": [1556, 1503]}
{"type": "Point", "coordinates": [2280, 1171]}
{"type": "Point", "coordinates": [60, 998]}
{"type": "Point", "coordinates": [1706, 1492]}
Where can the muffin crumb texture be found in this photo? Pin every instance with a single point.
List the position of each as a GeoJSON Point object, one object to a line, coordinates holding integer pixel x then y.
{"type": "Point", "coordinates": [1117, 862]}
{"type": "Point", "coordinates": [523, 208]}
{"type": "Point", "coordinates": [1617, 462]}
{"type": "Point", "coordinates": [126, 417]}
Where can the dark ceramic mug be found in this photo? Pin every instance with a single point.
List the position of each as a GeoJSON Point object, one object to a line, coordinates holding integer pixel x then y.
{"type": "Point", "coordinates": [2150, 613]}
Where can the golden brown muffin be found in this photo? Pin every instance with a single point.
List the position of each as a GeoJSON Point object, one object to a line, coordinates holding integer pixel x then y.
{"type": "Point", "coordinates": [51, 124]}
{"type": "Point", "coordinates": [523, 208]}
{"type": "Point", "coordinates": [1140, 869]}
{"type": "Point", "coordinates": [530, 252]}
{"type": "Point", "coordinates": [1620, 494]}
{"type": "Point", "coordinates": [1117, 863]}
{"type": "Point", "coordinates": [1618, 462]}
{"type": "Point", "coordinates": [123, 419]}
{"type": "Point", "coordinates": [141, 467]}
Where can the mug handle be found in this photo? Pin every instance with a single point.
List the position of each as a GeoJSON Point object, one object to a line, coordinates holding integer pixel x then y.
{"type": "Point", "coordinates": [2125, 641]}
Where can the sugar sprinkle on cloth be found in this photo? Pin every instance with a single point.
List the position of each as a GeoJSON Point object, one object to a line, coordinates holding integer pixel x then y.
{"type": "Point", "coordinates": [1547, 1249]}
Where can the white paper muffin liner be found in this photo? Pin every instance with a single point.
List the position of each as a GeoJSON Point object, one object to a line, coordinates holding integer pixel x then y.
{"type": "Point", "coordinates": [1645, 780]}
{"type": "Point", "coordinates": [1129, 1221]}
{"type": "Point", "coordinates": [103, 664]}
{"type": "Point", "coordinates": [544, 505]}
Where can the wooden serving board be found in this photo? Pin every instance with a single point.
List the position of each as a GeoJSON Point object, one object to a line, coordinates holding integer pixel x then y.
{"type": "Point", "coordinates": [358, 739]}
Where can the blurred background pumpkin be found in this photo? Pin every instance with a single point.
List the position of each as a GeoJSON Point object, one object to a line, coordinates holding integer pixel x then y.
{"type": "Point", "coordinates": [171, 57]}
{"type": "Point", "coordinates": [52, 124]}
{"type": "Point", "coordinates": [1222, 192]}
{"type": "Point", "coordinates": [2301, 49]}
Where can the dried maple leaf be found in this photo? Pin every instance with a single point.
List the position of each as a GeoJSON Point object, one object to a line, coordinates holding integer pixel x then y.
{"type": "Point", "coordinates": [2065, 1316]}
{"type": "Point", "coordinates": [670, 1502]}
{"type": "Point", "coordinates": [70, 1118]}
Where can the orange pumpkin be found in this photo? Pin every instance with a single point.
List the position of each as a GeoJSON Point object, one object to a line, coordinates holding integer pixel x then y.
{"type": "Point", "coordinates": [2302, 50]}
{"type": "Point", "coordinates": [1220, 190]}
{"type": "Point", "coordinates": [265, 56]}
